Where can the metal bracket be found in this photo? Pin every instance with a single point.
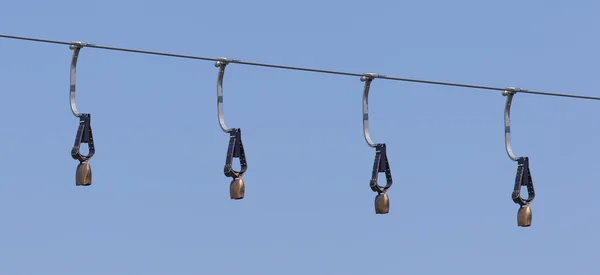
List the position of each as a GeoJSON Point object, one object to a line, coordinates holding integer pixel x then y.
{"type": "Point", "coordinates": [509, 93]}
{"type": "Point", "coordinates": [367, 78]}
{"type": "Point", "coordinates": [79, 44]}
{"type": "Point", "coordinates": [76, 47]}
{"type": "Point", "coordinates": [222, 64]}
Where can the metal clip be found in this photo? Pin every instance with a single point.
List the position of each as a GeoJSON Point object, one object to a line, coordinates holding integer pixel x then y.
{"type": "Point", "coordinates": [84, 135]}
{"type": "Point", "coordinates": [523, 179]}
{"type": "Point", "coordinates": [79, 44]}
{"type": "Point", "coordinates": [235, 150]}
{"type": "Point", "coordinates": [381, 165]}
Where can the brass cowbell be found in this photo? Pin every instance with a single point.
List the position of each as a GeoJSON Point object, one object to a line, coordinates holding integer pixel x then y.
{"type": "Point", "coordinates": [83, 175]}
{"type": "Point", "coordinates": [237, 189]}
{"type": "Point", "coordinates": [382, 203]}
{"type": "Point", "coordinates": [524, 216]}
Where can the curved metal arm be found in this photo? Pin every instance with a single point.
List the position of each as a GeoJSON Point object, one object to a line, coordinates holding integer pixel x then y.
{"type": "Point", "coordinates": [221, 64]}
{"type": "Point", "coordinates": [76, 47]}
{"type": "Point", "coordinates": [509, 93]}
{"type": "Point", "coordinates": [367, 78]}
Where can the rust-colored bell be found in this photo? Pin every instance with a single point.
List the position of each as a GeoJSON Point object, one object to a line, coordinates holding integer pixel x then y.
{"type": "Point", "coordinates": [524, 216]}
{"type": "Point", "coordinates": [237, 189]}
{"type": "Point", "coordinates": [83, 176]}
{"type": "Point", "coordinates": [382, 203]}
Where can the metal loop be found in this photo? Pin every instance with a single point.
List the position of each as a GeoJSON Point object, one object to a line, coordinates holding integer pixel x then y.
{"type": "Point", "coordinates": [509, 93]}
{"type": "Point", "coordinates": [523, 179]}
{"type": "Point", "coordinates": [84, 135]}
{"type": "Point", "coordinates": [235, 150]}
{"type": "Point", "coordinates": [221, 64]}
{"type": "Point", "coordinates": [381, 165]}
{"type": "Point", "coordinates": [367, 79]}
{"type": "Point", "coordinates": [76, 47]}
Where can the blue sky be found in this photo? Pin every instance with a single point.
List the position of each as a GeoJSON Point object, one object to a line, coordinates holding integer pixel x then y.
{"type": "Point", "coordinates": [159, 201]}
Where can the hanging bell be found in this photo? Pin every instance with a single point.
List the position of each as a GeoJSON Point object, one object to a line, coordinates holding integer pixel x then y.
{"type": "Point", "coordinates": [524, 216]}
{"type": "Point", "coordinates": [83, 175]}
{"type": "Point", "coordinates": [237, 189]}
{"type": "Point", "coordinates": [382, 203]}
{"type": "Point", "coordinates": [236, 150]}
{"type": "Point", "coordinates": [381, 165]}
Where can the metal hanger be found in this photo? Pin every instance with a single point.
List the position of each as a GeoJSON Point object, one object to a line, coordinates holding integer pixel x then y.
{"type": "Point", "coordinates": [83, 175]}
{"type": "Point", "coordinates": [381, 164]}
{"type": "Point", "coordinates": [236, 146]}
{"type": "Point", "coordinates": [523, 177]}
